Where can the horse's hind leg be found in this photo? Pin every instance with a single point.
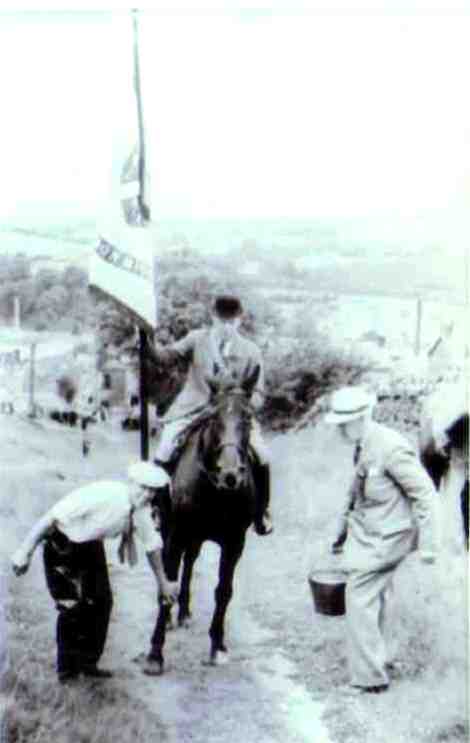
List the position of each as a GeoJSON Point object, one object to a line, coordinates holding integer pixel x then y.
{"type": "Point", "coordinates": [184, 600]}
{"type": "Point", "coordinates": [435, 463]}
{"type": "Point", "coordinates": [229, 557]}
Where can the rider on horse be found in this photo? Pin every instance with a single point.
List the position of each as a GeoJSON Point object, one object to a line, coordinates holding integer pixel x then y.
{"type": "Point", "coordinates": [220, 352]}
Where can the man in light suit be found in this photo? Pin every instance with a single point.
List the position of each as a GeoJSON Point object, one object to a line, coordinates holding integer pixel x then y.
{"type": "Point", "coordinates": [390, 511]}
{"type": "Point", "coordinates": [217, 352]}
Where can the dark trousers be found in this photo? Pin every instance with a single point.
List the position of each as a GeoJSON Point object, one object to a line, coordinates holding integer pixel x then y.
{"type": "Point", "coordinates": [78, 581]}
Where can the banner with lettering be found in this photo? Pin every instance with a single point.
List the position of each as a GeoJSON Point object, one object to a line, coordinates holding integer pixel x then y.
{"type": "Point", "coordinates": [122, 266]}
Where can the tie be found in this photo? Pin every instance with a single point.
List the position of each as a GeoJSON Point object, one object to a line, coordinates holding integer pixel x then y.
{"type": "Point", "coordinates": [357, 453]}
{"type": "Point", "coordinates": [127, 549]}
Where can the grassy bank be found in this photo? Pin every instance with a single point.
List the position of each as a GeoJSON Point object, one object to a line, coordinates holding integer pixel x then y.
{"type": "Point", "coordinates": [427, 699]}
{"type": "Point", "coordinates": [38, 708]}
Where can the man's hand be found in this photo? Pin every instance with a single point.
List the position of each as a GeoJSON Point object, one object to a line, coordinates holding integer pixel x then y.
{"type": "Point", "coordinates": [338, 544]}
{"type": "Point", "coordinates": [169, 592]}
{"type": "Point", "coordinates": [20, 562]}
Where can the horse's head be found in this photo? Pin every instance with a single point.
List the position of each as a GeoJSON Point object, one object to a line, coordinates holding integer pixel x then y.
{"type": "Point", "coordinates": [226, 437]}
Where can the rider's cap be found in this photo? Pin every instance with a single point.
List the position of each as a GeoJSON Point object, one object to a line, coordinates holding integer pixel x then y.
{"type": "Point", "coordinates": [148, 474]}
{"type": "Point", "coordinates": [227, 307]}
{"type": "Point", "coordinates": [349, 403]}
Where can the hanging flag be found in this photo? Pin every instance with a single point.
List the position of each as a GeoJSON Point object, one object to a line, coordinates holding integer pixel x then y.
{"type": "Point", "coordinates": [122, 267]}
{"type": "Point", "coordinates": [122, 264]}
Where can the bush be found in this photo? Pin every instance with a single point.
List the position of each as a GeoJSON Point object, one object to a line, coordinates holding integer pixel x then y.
{"type": "Point", "coordinates": [301, 374]}
{"type": "Point", "coordinates": [300, 365]}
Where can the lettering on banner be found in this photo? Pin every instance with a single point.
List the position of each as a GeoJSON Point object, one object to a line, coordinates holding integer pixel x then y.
{"type": "Point", "coordinates": [123, 260]}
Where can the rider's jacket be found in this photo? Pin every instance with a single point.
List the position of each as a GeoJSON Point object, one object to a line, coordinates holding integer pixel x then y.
{"type": "Point", "coordinates": [238, 359]}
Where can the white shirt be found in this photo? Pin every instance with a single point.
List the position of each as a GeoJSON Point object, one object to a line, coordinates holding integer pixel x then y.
{"type": "Point", "coordinates": [101, 510]}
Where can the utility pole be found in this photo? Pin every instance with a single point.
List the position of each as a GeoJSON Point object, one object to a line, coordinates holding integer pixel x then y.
{"type": "Point", "coordinates": [32, 375]}
{"type": "Point", "coordinates": [419, 318]}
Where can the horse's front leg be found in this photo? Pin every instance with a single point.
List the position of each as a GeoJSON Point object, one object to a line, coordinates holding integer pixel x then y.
{"type": "Point", "coordinates": [184, 600]}
{"type": "Point", "coordinates": [229, 557]}
{"type": "Point", "coordinates": [154, 665]}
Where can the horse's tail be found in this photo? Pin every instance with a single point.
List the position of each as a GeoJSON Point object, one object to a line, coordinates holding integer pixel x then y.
{"type": "Point", "coordinates": [436, 463]}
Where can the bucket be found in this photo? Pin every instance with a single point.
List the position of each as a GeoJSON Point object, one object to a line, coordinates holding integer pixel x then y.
{"type": "Point", "coordinates": [328, 588]}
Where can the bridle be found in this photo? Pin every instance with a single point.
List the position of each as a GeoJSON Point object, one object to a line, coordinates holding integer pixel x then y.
{"type": "Point", "coordinates": [212, 411]}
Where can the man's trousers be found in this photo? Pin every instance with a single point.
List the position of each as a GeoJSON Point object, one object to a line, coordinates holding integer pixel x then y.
{"type": "Point", "coordinates": [367, 598]}
{"type": "Point", "coordinates": [78, 581]}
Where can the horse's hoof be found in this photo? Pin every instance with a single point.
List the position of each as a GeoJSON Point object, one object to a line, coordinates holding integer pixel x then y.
{"type": "Point", "coordinates": [184, 622]}
{"type": "Point", "coordinates": [140, 658]}
{"type": "Point", "coordinates": [153, 667]}
{"type": "Point", "coordinates": [219, 658]}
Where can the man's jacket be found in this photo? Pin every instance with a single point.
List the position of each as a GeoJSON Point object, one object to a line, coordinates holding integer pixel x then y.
{"type": "Point", "coordinates": [391, 507]}
{"type": "Point", "coordinates": [239, 360]}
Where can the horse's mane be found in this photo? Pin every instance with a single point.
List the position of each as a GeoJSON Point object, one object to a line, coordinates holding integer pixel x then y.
{"type": "Point", "coordinates": [184, 478]}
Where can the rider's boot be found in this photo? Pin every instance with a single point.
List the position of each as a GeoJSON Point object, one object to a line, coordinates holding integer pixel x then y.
{"type": "Point", "coordinates": [262, 520]}
{"type": "Point", "coordinates": [167, 466]}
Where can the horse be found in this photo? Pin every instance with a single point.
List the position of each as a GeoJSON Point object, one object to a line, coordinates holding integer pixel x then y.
{"type": "Point", "coordinates": [213, 498]}
{"type": "Point", "coordinates": [443, 445]}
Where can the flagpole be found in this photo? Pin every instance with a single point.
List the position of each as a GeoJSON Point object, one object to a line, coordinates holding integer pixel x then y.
{"type": "Point", "coordinates": [144, 212]}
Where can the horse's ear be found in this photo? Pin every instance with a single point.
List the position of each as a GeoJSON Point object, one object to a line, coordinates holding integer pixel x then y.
{"type": "Point", "coordinates": [251, 379]}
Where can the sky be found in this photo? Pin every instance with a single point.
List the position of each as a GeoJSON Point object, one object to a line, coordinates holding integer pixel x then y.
{"type": "Point", "coordinates": [305, 109]}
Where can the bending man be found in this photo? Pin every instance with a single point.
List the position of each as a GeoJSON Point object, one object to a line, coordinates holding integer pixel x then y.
{"type": "Point", "coordinates": [75, 561]}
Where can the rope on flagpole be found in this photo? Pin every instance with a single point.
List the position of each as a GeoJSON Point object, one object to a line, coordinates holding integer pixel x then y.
{"type": "Point", "coordinates": [144, 207]}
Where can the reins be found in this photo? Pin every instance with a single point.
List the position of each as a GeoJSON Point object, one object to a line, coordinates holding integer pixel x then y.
{"type": "Point", "coordinates": [229, 444]}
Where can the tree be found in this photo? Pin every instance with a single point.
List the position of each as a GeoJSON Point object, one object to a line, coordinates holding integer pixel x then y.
{"type": "Point", "coordinates": [52, 305]}
{"type": "Point", "coordinates": [74, 277]}
{"type": "Point", "coordinates": [45, 279]}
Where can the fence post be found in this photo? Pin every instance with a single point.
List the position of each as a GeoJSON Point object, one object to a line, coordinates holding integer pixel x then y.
{"type": "Point", "coordinates": [32, 372]}
{"type": "Point", "coordinates": [419, 317]}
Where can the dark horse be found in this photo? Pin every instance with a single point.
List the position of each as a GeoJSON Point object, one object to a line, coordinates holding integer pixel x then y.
{"type": "Point", "coordinates": [213, 498]}
{"type": "Point", "coordinates": [437, 461]}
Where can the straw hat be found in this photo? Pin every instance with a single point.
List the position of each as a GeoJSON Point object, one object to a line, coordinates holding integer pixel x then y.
{"type": "Point", "coordinates": [148, 474]}
{"type": "Point", "coordinates": [348, 404]}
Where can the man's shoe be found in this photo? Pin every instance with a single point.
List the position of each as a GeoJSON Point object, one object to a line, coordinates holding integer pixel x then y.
{"type": "Point", "coordinates": [350, 690]}
{"type": "Point", "coordinates": [153, 666]}
{"type": "Point", "coordinates": [97, 673]}
{"type": "Point", "coordinates": [371, 689]}
{"type": "Point", "coordinates": [67, 677]}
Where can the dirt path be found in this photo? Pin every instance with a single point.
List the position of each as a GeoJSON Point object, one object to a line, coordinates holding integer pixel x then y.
{"type": "Point", "coordinates": [258, 695]}
{"type": "Point", "coordinates": [253, 694]}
